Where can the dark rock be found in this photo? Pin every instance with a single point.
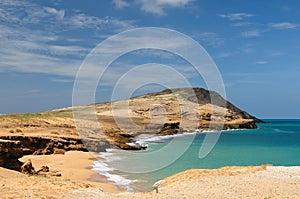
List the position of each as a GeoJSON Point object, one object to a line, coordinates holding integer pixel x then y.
{"type": "Point", "coordinates": [14, 147]}
{"type": "Point", "coordinates": [170, 129]}
{"type": "Point", "coordinates": [27, 168]}
{"type": "Point", "coordinates": [10, 152]}
{"type": "Point", "coordinates": [44, 169]}
{"type": "Point", "coordinates": [246, 125]}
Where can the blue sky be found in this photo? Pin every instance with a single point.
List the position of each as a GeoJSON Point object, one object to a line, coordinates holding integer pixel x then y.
{"type": "Point", "coordinates": [255, 45]}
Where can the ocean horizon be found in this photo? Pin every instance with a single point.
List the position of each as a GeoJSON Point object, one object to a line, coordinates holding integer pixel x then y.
{"type": "Point", "coordinates": [276, 142]}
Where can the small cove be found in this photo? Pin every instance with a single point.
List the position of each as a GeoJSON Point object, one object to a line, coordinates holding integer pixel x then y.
{"type": "Point", "coordinates": [276, 142]}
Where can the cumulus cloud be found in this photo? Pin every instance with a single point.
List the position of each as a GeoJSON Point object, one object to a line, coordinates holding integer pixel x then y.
{"type": "Point", "coordinates": [236, 16]}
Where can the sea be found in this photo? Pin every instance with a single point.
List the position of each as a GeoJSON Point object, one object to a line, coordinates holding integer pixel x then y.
{"type": "Point", "coordinates": [276, 142]}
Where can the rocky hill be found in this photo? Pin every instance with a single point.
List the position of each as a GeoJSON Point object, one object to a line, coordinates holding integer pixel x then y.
{"type": "Point", "coordinates": [162, 113]}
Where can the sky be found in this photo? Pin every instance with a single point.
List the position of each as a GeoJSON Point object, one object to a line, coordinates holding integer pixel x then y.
{"type": "Point", "coordinates": [254, 44]}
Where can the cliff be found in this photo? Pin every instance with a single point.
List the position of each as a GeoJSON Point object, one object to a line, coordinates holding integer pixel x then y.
{"type": "Point", "coordinates": [161, 113]}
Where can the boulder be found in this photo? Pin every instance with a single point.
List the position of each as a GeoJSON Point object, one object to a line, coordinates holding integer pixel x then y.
{"type": "Point", "coordinates": [27, 168]}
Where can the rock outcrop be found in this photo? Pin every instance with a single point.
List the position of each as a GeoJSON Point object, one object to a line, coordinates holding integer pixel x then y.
{"type": "Point", "coordinates": [14, 147]}
{"type": "Point", "coordinates": [170, 129]}
{"type": "Point", "coordinates": [27, 168]}
{"type": "Point", "coordinates": [10, 152]}
{"type": "Point", "coordinates": [50, 145]}
{"type": "Point", "coordinates": [120, 139]}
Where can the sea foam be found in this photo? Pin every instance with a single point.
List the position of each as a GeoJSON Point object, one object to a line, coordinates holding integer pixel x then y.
{"type": "Point", "coordinates": [104, 164]}
{"type": "Point", "coordinates": [101, 166]}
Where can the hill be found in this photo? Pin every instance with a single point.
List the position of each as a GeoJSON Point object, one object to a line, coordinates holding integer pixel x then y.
{"type": "Point", "coordinates": [161, 113]}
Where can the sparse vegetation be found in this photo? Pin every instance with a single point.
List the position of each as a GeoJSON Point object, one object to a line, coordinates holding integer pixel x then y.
{"type": "Point", "coordinates": [172, 99]}
{"type": "Point", "coordinates": [44, 115]}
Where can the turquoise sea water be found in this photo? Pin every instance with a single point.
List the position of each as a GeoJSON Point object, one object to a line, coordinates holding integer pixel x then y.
{"type": "Point", "coordinates": [276, 142]}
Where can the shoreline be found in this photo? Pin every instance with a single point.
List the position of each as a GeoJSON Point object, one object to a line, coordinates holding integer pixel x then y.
{"type": "Point", "coordinates": [143, 140]}
{"type": "Point", "coordinates": [74, 166]}
{"type": "Point", "coordinates": [77, 181]}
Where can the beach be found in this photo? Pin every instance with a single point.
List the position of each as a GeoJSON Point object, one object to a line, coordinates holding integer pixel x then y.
{"type": "Point", "coordinates": [76, 181]}
{"type": "Point", "coordinates": [162, 99]}
{"type": "Point", "coordinates": [51, 139]}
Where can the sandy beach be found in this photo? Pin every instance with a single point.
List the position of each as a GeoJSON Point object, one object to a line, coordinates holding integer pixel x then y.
{"type": "Point", "coordinates": [73, 165]}
{"type": "Point", "coordinates": [227, 182]}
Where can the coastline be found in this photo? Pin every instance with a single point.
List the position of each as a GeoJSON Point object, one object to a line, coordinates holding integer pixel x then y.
{"type": "Point", "coordinates": [74, 166]}
{"type": "Point", "coordinates": [79, 180]}
{"type": "Point", "coordinates": [264, 181]}
{"type": "Point", "coordinates": [145, 140]}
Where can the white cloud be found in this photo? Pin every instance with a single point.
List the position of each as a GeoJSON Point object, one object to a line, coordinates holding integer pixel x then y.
{"type": "Point", "coordinates": [157, 7]}
{"type": "Point", "coordinates": [261, 62]}
{"type": "Point", "coordinates": [174, 3]}
{"type": "Point", "coordinates": [29, 51]}
{"type": "Point", "coordinates": [119, 4]}
{"type": "Point", "coordinates": [251, 33]}
{"type": "Point", "coordinates": [86, 21]}
{"type": "Point", "coordinates": [58, 13]}
{"type": "Point", "coordinates": [236, 16]}
{"type": "Point", "coordinates": [31, 35]}
{"type": "Point", "coordinates": [22, 61]}
{"type": "Point", "coordinates": [241, 24]}
{"type": "Point", "coordinates": [283, 25]}
{"type": "Point", "coordinates": [25, 12]}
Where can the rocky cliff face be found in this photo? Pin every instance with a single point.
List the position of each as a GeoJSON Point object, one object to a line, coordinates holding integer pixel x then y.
{"type": "Point", "coordinates": [162, 113]}
{"type": "Point", "coordinates": [156, 112]}
{"type": "Point", "coordinates": [10, 152]}
{"type": "Point", "coordinates": [14, 147]}
{"type": "Point", "coordinates": [202, 96]}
